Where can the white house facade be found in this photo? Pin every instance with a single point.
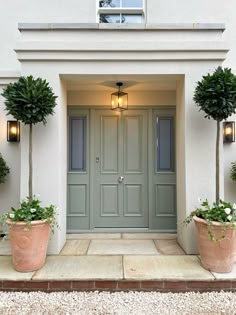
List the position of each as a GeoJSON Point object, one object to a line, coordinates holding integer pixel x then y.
{"type": "Point", "coordinates": [141, 169]}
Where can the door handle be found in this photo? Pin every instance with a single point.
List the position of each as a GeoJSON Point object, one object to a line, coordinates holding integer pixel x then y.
{"type": "Point", "coordinates": [120, 179]}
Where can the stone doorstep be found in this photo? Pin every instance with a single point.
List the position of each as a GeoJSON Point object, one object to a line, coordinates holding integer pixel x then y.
{"type": "Point", "coordinates": [120, 285]}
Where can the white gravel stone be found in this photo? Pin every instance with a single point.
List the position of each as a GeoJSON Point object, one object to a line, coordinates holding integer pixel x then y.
{"type": "Point", "coordinates": [118, 303]}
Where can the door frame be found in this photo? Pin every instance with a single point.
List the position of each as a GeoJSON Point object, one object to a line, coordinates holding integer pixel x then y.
{"type": "Point", "coordinates": [91, 110]}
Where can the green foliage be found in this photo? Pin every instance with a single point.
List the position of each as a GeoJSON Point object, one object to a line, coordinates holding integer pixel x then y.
{"type": "Point", "coordinates": [4, 170]}
{"type": "Point", "coordinates": [29, 100]}
{"type": "Point", "coordinates": [223, 212]}
{"type": "Point", "coordinates": [233, 171]}
{"type": "Point", "coordinates": [31, 211]}
{"type": "Point", "coordinates": [215, 94]}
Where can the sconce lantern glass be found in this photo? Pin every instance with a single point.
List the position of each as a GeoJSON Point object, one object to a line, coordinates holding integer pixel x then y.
{"type": "Point", "coordinates": [13, 131]}
{"type": "Point", "coordinates": [229, 131]}
{"type": "Point", "coordinates": [119, 100]}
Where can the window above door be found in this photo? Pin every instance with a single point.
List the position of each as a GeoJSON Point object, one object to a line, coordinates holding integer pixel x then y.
{"type": "Point", "coordinates": [121, 11]}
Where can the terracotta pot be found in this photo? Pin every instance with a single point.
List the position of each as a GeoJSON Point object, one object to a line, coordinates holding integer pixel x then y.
{"type": "Point", "coordinates": [29, 247]}
{"type": "Point", "coordinates": [217, 256]}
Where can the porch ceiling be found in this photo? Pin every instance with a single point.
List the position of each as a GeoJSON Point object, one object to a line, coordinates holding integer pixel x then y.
{"type": "Point", "coordinates": [131, 82]}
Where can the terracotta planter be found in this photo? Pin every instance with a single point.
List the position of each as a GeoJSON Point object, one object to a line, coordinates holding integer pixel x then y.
{"type": "Point", "coordinates": [217, 256]}
{"type": "Point", "coordinates": [29, 247]}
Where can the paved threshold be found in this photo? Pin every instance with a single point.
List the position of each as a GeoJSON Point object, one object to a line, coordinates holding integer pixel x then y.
{"type": "Point", "coordinates": [116, 262]}
{"type": "Point", "coordinates": [116, 273]}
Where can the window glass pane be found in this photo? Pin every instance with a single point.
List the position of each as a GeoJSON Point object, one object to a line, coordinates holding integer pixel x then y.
{"type": "Point", "coordinates": [78, 143]}
{"type": "Point", "coordinates": [132, 18]}
{"type": "Point", "coordinates": [109, 18]}
{"type": "Point", "coordinates": [165, 144]}
{"type": "Point", "coordinates": [132, 3]}
{"type": "Point", "coordinates": [109, 3]}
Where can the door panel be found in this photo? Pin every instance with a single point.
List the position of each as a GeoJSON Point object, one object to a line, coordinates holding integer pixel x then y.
{"type": "Point", "coordinates": [133, 200]}
{"type": "Point", "coordinates": [75, 193]}
{"type": "Point", "coordinates": [163, 213]}
{"type": "Point", "coordinates": [121, 143]}
{"type": "Point", "coordinates": [109, 198]}
{"type": "Point", "coordinates": [109, 138]}
{"type": "Point", "coordinates": [133, 138]}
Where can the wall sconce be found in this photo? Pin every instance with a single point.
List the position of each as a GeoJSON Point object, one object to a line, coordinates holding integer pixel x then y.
{"type": "Point", "coordinates": [13, 131]}
{"type": "Point", "coordinates": [229, 131]}
{"type": "Point", "coordinates": [119, 100]}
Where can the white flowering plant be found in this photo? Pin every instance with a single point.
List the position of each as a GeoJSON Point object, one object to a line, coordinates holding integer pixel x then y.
{"type": "Point", "coordinates": [31, 211]}
{"type": "Point", "coordinates": [223, 212]}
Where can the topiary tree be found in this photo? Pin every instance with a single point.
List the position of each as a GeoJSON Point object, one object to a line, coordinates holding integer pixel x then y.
{"type": "Point", "coordinates": [4, 169]}
{"type": "Point", "coordinates": [215, 94]}
{"type": "Point", "coordinates": [30, 101]}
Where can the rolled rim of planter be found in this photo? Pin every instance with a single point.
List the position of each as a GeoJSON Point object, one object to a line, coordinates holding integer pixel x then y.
{"type": "Point", "coordinates": [214, 223]}
{"type": "Point", "coordinates": [22, 223]}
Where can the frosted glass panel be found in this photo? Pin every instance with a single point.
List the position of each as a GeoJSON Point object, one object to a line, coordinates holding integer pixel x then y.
{"type": "Point", "coordinates": [78, 144]}
{"type": "Point", "coordinates": [165, 144]}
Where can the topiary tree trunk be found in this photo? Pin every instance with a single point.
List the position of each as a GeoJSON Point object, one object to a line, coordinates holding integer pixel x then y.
{"type": "Point", "coordinates": [30, 101]}
{"type": "Point", "coordinates": [215, 94]}
{"type": "Point", "coordinates": [30, 163]}
{"type": "Point", "coordinates": [218, 128]}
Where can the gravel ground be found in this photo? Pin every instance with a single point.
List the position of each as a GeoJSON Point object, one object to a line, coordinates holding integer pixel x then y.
{"type": "Point", "coordinates": [118, 303]}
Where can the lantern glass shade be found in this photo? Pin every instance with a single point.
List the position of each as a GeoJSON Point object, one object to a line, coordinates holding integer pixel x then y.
{"type": "Point", "coordinates": [13, 131]}
{"type": "Point", "coordinates": [229, 131]}
{"type": "Point", "coordinates": [119, 99]}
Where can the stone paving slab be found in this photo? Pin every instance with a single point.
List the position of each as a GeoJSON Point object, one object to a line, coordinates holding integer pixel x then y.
{"type": "Point", "coordinates": [226, 276]}
{"type": "Point", "coordinates": [95, 236]}
{"type": "Point", "coordinates": [81, 268]}
{"type": "Point", "coordinates": [169, 247]}
{"type": "Point", "coordinates": [122, 247]}
{"type": "Point", "coordinates": [150, 236]}
{"type": "Point", "coordinates": [75, 247]}
{"type": "Point", "coordinates": [164, 267]}
{"type": "Point", "coordinates": [7, 271]}
{"type": "Point", "coordinates": [5, 248]}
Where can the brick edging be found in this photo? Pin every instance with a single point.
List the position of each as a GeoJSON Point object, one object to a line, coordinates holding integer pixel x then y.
{"type": "Point", "coordinates": [119, 285]}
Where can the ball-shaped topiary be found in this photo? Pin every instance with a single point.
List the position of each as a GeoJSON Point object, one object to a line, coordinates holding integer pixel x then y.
{"type": "Point", "coordinates": [216, 94]}
{"type": "Point", "coordinates": [29, 100]}
{"type": "Point", "coordinates": [4, 170]}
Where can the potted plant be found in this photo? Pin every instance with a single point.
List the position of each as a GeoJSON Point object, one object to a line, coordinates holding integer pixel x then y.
{"type": "Point", "coordinates": [215, 94]}
{"type": "Point", "coordinates": [30, 101]}
{"type": "Point", "coordinates": [29, 230]}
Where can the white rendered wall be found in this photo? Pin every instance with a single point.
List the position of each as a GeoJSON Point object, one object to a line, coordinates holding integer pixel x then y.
{"type": "Point", "coordinates": [136, 98]}
{"type": "Point", "coordinates": [15, 11]}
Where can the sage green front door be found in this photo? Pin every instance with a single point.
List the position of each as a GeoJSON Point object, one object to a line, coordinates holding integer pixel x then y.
{"type": "Point", "coordinates": [121, 171]}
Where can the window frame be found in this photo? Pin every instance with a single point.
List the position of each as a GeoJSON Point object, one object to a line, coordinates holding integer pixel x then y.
{"type": "Point", "coordinates": [122, 11]}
